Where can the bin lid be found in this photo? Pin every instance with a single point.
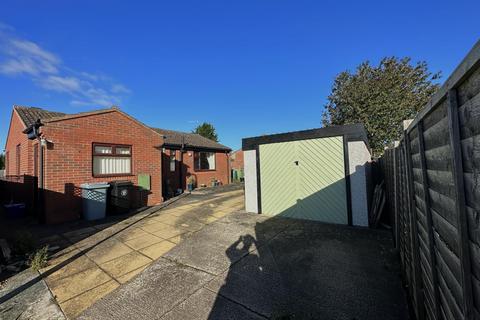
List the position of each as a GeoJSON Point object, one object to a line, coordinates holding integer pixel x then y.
{"type": "Point", "coordinates": [100, 185]}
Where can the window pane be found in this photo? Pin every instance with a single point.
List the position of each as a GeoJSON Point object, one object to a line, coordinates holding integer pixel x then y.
{"type": "Point", "coordinates": [122, 150]}
{"type": "Point", "coordinates": [211, 160]}
{"type": "Point", "coordinates": [172, 161]}
{"type": "Point", "coordinates": [205, 161]}
{"type": "Point", "coordinates": [103, 149]}
{"type": "Point", "coordinates": [111, 165]}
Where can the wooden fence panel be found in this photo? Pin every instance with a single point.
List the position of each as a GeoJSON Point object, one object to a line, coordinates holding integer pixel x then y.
{"type": "Point", "coordinates": [432, 181]}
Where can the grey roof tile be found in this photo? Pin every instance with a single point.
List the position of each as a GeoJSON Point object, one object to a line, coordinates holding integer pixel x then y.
{"type": "Point", "coordinates": [193, 140]}
{"type": "Point", "coordinates": [31, 114]}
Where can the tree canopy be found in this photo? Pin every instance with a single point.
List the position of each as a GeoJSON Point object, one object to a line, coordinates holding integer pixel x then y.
{"type": "Point", "coordinates": [380, 97]}
{"type": "Point", "coordinates": [207, 130]}
{"type": "Point", "coordinates": [2, 161]}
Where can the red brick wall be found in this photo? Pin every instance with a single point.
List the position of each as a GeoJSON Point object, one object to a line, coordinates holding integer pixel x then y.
{"type": "Point", "coordinates": [220, 173]}
{"type": "Point", "coordinates": [16, 137]}
{"type": "Point", "coordinates": [68, 159]}
{"type": "Point", "coordinates": [236, 160]}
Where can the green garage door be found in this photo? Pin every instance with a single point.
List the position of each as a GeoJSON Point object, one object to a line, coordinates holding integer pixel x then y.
{"type": "Point", "coordinates": [304, 179]}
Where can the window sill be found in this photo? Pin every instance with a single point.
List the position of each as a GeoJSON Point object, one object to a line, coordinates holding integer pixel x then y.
{"type": "Point", "coordinates": [205, 170]}
{"type": "Point", "coordinates": [113, 175]}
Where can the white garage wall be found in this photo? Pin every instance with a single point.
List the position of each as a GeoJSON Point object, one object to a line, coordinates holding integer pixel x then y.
{"type": "Point", "coordinates": [359, 158]}
{"type": "Point", "coordinates": [250, 175]}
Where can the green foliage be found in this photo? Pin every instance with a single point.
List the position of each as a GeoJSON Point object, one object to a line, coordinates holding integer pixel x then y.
{"type": "Point", "coordinates": [39, 259]}
{"type": "Point", "coordinates": [380, 97]}
{"type": "Point", "coordinates": [207, 130]}
{"type": "Point", "coordinates": [2, 161]}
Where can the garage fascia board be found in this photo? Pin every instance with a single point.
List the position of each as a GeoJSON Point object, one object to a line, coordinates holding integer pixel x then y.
{"type": "Point", "coordinates": [351, 132]}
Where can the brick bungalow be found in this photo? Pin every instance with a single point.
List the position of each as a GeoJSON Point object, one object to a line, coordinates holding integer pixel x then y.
{"type": "Point", "coordinates": [99, 146]}
{"type": "Point", "coordinates": [190, 154]}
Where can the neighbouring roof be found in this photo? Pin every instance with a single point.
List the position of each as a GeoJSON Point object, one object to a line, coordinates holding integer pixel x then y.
{"type": "Point", "coordinates": [189, 140]}
{"type": "Point", "coordinates": [30, 115]}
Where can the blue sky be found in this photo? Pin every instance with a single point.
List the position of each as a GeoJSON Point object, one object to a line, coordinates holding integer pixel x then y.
{"type": "Point", "coordinates": [248, 67]}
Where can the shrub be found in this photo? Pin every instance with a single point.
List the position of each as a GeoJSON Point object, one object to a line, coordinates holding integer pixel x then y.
{"type": "Point", "coordinates": [38, 260]}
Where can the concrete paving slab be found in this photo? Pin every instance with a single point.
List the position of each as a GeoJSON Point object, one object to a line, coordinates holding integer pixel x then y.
{"type": "Point", "coordinates": [69, 287]}
{"type": "Point", "coordinates": [80, 264]}
{"type": "Point", "coordinates": [189, 222]}
{"type": "Point", "coordinates": [170, 232]}
{"type": "Point", "coordinates": [107, 251]}
{"type": "Point", "coordinates": [62, 256]}
{"type": "Point", "coordinates": [125, 264]}
{"type": "Point", "coordinates": [126, 277]}
{"type": "Point", "coordinates": [130, 234]}
{"type": "Point", "coordinates": [180, 238]}
{"type": "Point", "coordinates": [208, 249]}
{"type": "Point", "coordinates": [219, 214]}
{"type": "Point", "coordinates": [199, 306]}
{"type": "Point", "coordinates": [155, 226]}
{"type": "Point", "coordinates": [175, 212]}
{"type": "Point", "coordinates": [150, 295]}
{"type": "Point", "coordinates": [74, 306]}
{"type": "Point", "coordinates": [157, 250]}
{"type": "Point", "coordinates": [264, 297]}
{"type": "Point", "coordinates": [32, 299]}
{"type": "Point", "coordinates": [167, 218]}
{"type": "Point", "coordinates": [143, 241]}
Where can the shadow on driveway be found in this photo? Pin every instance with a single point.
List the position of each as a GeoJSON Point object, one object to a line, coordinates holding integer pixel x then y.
{"type": "Point", "coordinates": [246, 266]}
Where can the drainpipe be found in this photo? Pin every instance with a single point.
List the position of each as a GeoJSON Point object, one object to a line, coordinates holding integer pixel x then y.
{"type": "Point", "coordinates": [41, 143]}
{"type": "Point", "coordinates": [180, 165]}
{"type": "Point", "coordinates": [41, 178]}
{"type": "Point", "coordinates": [228, 168]}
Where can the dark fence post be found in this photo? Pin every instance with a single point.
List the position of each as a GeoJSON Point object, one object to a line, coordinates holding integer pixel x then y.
{"type": "Point", "coordinates": [460, 205]}
{"type": "Point", "coordinates": [417, 270]}
{"type": "Point", "coordinates": [396, 173]}
{"type": "Point", "coordinates": [428, 214]}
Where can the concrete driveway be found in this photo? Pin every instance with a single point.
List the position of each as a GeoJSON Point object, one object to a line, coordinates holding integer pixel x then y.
{"type": "Point", "coordinates": [98, 259]}
{"type": "Point", "coordinates": [247, 266]}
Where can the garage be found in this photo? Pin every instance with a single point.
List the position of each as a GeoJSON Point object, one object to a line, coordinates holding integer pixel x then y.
{"type": "Point", "coordinates": [319, 174]}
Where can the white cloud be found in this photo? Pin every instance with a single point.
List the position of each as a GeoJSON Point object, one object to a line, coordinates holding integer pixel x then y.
{"type": "Point", "coordinates": [120, 88]}
{"type": "Point", "coordinates": [61, 84]}
{"type": "Point", "coordinates": [21, 57]}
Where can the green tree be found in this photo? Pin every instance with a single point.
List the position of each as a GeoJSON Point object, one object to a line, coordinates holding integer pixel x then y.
{"type": "Point", "coordinates": [380, 97]}
{"type": "Point", "coordinates": [2, 161]}
{"type": "Point", "coordinates": [207, 130]}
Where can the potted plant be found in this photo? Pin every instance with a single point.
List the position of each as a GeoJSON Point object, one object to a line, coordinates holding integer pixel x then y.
{"type": "Point", "coordinates": [190, 183]}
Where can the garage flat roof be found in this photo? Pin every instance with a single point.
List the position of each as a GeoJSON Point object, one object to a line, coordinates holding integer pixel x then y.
{"type": "Point", "coordinates": [352, 132]}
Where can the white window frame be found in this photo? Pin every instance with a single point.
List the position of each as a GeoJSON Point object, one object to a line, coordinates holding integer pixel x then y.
{"type": "Point", "coordinates": [198, 163]}
{"type": "Point", "coordinates": [113, 154]}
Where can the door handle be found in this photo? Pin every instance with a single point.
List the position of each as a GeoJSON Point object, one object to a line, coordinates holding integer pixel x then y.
{"type": "Point", "coordinates": [296, 163]}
